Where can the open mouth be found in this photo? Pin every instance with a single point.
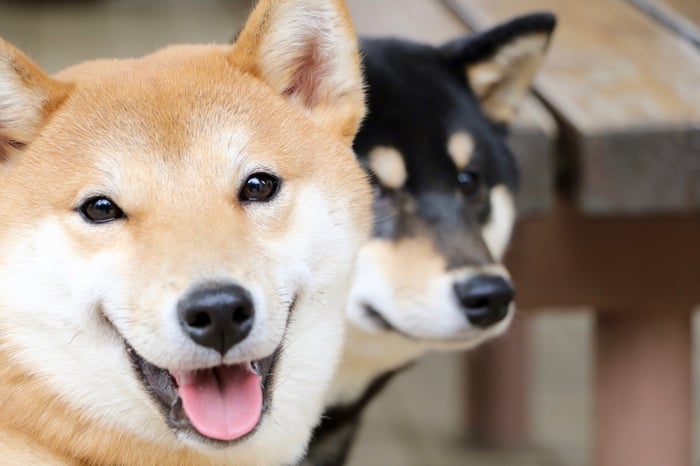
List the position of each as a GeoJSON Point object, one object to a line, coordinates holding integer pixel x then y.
{"type": "Point", "coordinates": [220, 404]}
{"type": "Point", "coordinates": [217, 405]}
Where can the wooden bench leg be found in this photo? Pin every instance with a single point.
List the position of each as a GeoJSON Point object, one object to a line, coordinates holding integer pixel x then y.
{"type": "Point", "coordinates": [498, 390]}
{"type": "Point", "coordinates": [643, 389]}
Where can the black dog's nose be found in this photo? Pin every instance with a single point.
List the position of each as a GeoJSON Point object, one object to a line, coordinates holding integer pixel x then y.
{"type": "Point", "coordinates": [485, 299]}
{"type": "Point", "coordinates": [218, 316]}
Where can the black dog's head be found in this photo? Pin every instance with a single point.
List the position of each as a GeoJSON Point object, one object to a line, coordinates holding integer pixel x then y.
{"type": "Point", "coordinates": [434, 142]}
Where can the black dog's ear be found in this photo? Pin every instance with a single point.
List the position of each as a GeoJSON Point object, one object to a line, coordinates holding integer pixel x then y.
{"type": "Point", "coordinates": [500, 63]}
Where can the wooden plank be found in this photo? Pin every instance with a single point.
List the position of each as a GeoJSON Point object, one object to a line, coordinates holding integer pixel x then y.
{"type": "Point", "coordinates": [533, 131]}
{"type": "Point", "coordinates": [425, 21]}
{"type": "Point", "coordinates": [625, 91]}
{"type": "Point", "coordinates": [568, 259]}
{"type": "Point", "coordinates": [533, 141]}
{"type": "Point", "coordinates": [643, 388]}
{"type": "Point", "coordinates": [607, 49]}
{"type": "Point", "coordinates": [688, 8]}
{"type": "Point", "coordinates": [671, 18]}
{"type": "Point", "coordinates": [497, 402]}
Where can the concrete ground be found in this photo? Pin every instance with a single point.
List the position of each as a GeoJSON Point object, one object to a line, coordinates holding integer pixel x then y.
{"type": "Point", "coordinates": [416, 421]}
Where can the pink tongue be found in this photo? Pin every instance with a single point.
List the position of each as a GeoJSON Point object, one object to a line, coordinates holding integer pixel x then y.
{"type": "Point", "coordinates": [222, 403]}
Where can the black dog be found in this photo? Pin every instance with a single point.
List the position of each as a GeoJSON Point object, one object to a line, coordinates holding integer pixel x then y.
{"type": "Point", "coordinates": [434, 142]}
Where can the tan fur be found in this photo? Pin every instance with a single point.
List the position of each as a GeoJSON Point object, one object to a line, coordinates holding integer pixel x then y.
{"type": "Point", "coordinates": [460, 147]}
{"type": "Point", "coordinates": [170, 138]}
{"type": "Point", "coordinates": [408, 263]}
{"type": "Point", "coordinates": [388, 166]}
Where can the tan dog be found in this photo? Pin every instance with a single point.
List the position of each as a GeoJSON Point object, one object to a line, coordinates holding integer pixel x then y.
{"type": "Point", "coordinates": [177, 237]}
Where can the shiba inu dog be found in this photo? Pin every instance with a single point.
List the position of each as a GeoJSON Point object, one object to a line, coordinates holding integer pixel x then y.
{"type": "Point", "coordinates": [178, 234]}
{"type": "Point", "coordinates": [434, 142]}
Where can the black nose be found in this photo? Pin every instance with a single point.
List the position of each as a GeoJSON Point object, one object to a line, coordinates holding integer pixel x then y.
{"type": "Point", "coordinates": [485, 299]}
{"type": "Point", "coordinates": [217, 316]}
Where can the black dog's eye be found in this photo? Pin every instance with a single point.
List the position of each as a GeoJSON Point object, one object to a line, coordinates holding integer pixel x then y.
{"type": "Point", "coordinates": [470, 183]}
{"type": "Point", "coordinates": [259, 187]}
{"type": "Point", "coordinates": [101, 210]}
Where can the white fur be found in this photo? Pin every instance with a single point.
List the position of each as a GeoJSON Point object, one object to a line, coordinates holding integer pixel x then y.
{"type": "Point", "coordinates": [368, 355]}
{"type": "Point", "coordinates": [498, 229]}
{"type": "Point", "coordinates": [43, 320]}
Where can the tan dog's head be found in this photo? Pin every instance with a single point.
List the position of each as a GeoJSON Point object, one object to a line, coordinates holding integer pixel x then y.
{"type": "Point", "coordinates": [177, 235]}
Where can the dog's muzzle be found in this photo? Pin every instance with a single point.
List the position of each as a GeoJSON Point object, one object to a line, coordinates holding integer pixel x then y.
{"type": "Point", "coordinates": [215, 404]}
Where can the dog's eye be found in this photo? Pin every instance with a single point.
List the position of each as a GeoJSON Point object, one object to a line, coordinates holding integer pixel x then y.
{"type": "Point", "coordinates": [101, 210]}
{"type": "Point", "coordinates": [470, 183]}
{"type": "Point", "coordinates": [259, 187]}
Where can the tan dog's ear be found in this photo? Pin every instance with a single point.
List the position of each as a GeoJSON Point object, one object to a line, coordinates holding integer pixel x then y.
{"type": "Point", "coordinates": [307, 51]}
{"type": "Point", "coordinates": [27, 98]}
{"type": "Point", "coordinates": [500, 63]}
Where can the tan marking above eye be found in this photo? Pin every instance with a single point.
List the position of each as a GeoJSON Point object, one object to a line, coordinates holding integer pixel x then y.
{"type": "Point", "coordinates": [388, 166]}
{"type": "Point", "coordinates": [460, 146]}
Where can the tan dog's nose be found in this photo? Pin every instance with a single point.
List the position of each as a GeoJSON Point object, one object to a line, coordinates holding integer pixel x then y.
{"type": "Point", "coordinates": [217, 316]}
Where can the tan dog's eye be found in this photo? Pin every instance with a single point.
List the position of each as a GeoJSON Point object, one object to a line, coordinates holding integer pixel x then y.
{"type": "Point", "coordinates": [100, 210]}
{"type": "Point", "coordinates": [259, 187]}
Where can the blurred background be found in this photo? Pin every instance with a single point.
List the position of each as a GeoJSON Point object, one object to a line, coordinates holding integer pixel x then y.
{"type": "Point", "coordinates": [425, 416]}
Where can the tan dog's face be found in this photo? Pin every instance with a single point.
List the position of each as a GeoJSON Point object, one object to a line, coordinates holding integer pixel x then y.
{"type": "Point", "coordinates": [178, 232]}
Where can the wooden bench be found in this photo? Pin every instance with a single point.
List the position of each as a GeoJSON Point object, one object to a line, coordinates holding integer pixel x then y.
{"type": "Point", "coordinates": [625, 232]}
{"type": "Point", "coordinates": [613, 224]}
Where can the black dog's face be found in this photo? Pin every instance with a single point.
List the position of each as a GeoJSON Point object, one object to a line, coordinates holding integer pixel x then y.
{"type": "Point", "coordinates": [434, 145]}
{"type": "Point", "coordinates": [436, 159]}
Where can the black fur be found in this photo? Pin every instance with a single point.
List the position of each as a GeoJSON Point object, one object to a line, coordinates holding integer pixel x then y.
{"type": "Point", "coordinates": [484, 45]}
